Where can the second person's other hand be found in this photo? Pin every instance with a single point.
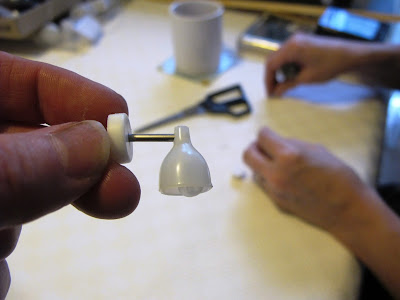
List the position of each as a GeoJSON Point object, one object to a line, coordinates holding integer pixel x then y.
{"type": "Point", "coordinates": [322, 58]}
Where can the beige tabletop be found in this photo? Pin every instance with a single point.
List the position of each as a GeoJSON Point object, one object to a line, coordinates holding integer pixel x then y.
{"type": "Point", "coordinates": [229, 243]}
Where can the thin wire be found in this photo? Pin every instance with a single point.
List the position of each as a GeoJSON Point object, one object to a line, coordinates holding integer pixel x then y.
{"type": "Point", "coordinates": [151, 137]}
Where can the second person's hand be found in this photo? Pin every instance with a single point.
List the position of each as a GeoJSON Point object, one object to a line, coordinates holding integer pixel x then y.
{"type": "Point", "coordinates": [305, 179]}
{"type": "Point", "coordinates": [319, 59]}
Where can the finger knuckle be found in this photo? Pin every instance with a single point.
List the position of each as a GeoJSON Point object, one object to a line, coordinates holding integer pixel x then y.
{"type": "Point", "coordinates": [290, 155]}
{"type": "Point", "coordinates": [263, 133]}
{"type": "Point", "coordinates": [296, 41]}
{"type": "Point", "coordinates": [246, 155]}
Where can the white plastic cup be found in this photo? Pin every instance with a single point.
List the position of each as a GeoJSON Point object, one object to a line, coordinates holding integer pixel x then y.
{"type": "Point", "coordinates": [196, 36]}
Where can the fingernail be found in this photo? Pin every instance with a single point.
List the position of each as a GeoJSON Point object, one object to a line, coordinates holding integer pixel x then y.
{"type": "Point", "coordinates": [83, 148]}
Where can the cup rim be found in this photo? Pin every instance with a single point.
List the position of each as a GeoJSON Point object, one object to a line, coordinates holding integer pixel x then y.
{"type": "Point", "coordinates": [219, 10]}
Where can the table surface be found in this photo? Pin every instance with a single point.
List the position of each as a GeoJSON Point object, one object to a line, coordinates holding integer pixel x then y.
{"type": "Point", "coordinates": [229, 243]}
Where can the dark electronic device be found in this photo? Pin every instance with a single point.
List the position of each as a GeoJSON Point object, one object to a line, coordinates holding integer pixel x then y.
{"type": "Point", "coordinates": [387, 184]}
{"type": "Point", "coordinates": [269, 32]}
{"type": "Point", "coordinates": [341, 23]}
{"type": "Point", "coordinates": [388, 176]}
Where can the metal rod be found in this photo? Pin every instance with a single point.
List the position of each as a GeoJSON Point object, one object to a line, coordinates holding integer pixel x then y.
{"type": "Point", "coordinates": [151, 137]}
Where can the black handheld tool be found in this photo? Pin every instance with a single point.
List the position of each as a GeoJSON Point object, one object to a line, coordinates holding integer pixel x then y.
{"type": "Point", "coordinates": [235, 106]}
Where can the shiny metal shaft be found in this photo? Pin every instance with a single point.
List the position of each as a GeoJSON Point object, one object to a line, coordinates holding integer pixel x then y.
{"type": "Point", "coordinates": [151, 137]}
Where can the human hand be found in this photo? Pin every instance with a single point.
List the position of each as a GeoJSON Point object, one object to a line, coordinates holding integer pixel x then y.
{"type": "Point", "coordinates": [319, 59]}
{"type": "Point", "coordinates": [305, 179]}
{"type": "Point", "coordinates": [45, 168]}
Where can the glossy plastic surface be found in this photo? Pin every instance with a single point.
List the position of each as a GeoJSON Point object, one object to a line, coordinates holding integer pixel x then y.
{"type": "Point", "coordinates": [184, 171]}
{"type": "Point", "coordinates": [118, 128]}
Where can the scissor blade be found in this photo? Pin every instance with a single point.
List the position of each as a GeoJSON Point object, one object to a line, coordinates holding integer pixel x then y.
{"type": "Point", "coordinates": [177, 116]}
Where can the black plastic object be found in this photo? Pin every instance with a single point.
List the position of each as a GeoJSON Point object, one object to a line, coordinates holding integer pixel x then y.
{"type": "Point", "coordinates": [235, 106]}
{"type": "Point", "coordinates": [388, 175]}
{"type": "Point", "coordinates": [287, 72]}
{"type": "Point", "coordinates": [344, 24]}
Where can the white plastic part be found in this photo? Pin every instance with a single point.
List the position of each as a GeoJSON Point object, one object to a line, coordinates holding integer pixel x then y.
{"type": "Point", "coordinates": [83, 31]}
{"type": "Point", "coordinates": [184, 171]}
{"type": "Point", "coordinates": [48, 35]}
{"type": "Point", "coordinates": [118, 128]}
{"type": "Point", "coordinates": [93, 8]}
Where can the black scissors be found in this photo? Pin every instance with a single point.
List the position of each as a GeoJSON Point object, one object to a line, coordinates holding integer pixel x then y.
{"type": "Point", "coordinates": [236, 106]}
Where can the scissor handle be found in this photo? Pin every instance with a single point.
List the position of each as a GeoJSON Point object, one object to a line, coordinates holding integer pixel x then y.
{"type": "Point", "coordinates": [236, 107]}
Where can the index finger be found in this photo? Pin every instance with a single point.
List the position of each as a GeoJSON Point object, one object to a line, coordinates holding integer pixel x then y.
{"type": "Point", "coordinates": [269, 77]}
{"type": "Point", "coordinates": [270, 142]}
{"type": "Point", "coordinates": [275, 62]}
{"type": "Point", "coordinates": [35, 92]}
{"type": "Point", "coordinates": [288, 53]}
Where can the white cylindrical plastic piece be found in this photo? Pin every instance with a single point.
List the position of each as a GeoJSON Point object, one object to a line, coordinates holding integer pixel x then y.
{"type": "Point", "coordinates": [119, 128]}
{"type": "Point", "coordinates": [48, 35]}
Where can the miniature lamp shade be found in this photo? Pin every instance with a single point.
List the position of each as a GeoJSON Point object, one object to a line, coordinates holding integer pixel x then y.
{"type": "Point", "coordinates": [184, 171]}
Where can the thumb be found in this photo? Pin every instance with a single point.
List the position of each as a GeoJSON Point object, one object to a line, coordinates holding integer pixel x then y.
{"type": "Point", "coordinates": [46, 169]}
{"type": "Point", "coordinates": [5, 279]}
